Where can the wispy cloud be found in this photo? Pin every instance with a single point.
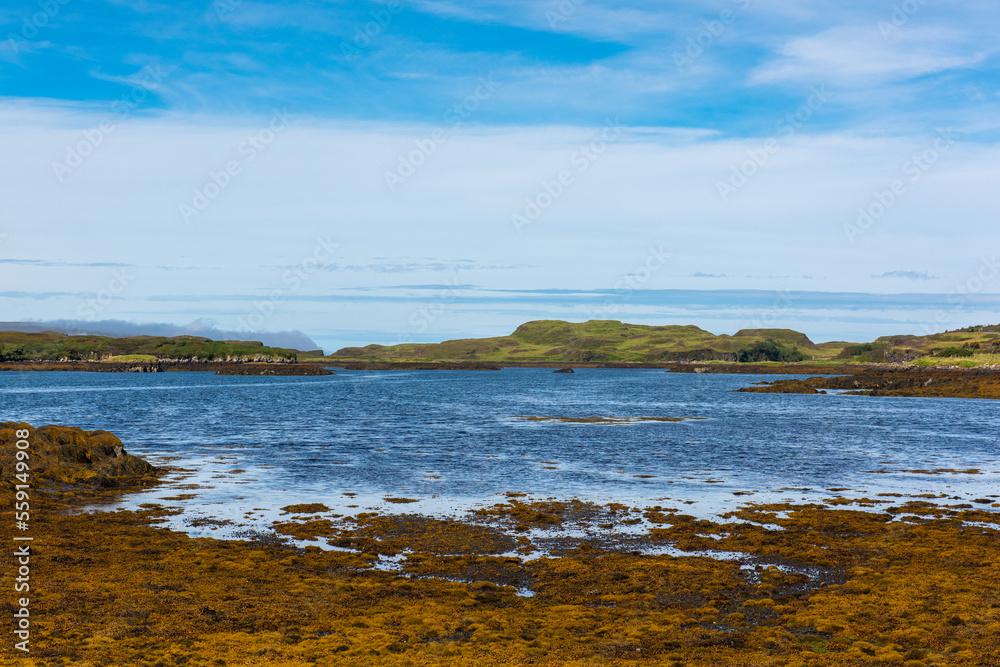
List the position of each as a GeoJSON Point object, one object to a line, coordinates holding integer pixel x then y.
{"type": "Point", "coordinates": [906, 275]}
{"type": "Point", "coordinates": [416, 267]}
{"type": "Point", "coordinates": [860, 56]}
{"type": "Point", "coordinates": [48, 263]}
{"type": "Point", "coordinates": [561, 79]}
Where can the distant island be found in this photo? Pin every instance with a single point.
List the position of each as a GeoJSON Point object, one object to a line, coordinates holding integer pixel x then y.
{"type": "Point", "coordinates": [601, 341]}
{"type": "Point", "coordinates": [610, 341]}
{"type": "Point", "coordinates": [541, 342]}
{"type": "Point", "coordinates": [16, 346]}
{"type": "Point", "coordinates": [51, 351]}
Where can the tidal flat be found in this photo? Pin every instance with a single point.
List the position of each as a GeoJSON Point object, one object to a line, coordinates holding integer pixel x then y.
{"type": "Point", "coordinates": [886, 580]}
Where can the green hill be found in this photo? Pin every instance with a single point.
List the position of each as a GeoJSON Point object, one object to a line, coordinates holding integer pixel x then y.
{"type": "Point", "coordinates": [971, 346]}
{"type": "Point", "coordinates": [604, 341]}
{"type": "Point", "coordinates": [50, 346]}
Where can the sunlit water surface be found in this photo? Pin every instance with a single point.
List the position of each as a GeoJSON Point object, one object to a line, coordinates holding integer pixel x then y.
{"type": "Point", "coordinates": [451, 439]}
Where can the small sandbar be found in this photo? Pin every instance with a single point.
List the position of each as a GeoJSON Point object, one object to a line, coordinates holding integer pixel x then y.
{"type": "Point", "coordinates": [602, 420]}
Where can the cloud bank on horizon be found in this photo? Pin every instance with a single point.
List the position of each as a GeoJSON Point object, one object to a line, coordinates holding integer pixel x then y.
{"type": "Point", "coordinates": [426, 169]}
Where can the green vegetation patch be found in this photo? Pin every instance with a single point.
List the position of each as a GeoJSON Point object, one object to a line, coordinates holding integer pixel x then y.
{"type": "Point", "coordinates": [602, 341]}
{"type": "Point", "coordinates": [51, 346]}
{"type": "Point", "coordinates": [954, 352]}
{"type": "Point", "coordinates": [132, 357]}
{"type": "Point", "coordinates": [769, 350]}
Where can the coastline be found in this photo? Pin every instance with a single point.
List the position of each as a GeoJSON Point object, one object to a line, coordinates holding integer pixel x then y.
{"type": "Point", "coordinates": [168, 366]}
{"type": "Point", "coordinates": [854, 379]}
{"type": "Point", "coordinates": [866, 581]}
{"type": "Point", "coordinates": [908, 381]}
{"type": "Point", "coordinates": [306, 364]}
{"type": "Point", "coordinates": [778, 368]}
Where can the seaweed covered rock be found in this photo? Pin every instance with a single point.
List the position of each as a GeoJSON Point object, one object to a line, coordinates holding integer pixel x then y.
{"type": "Point", "coordinates": [61, 456]}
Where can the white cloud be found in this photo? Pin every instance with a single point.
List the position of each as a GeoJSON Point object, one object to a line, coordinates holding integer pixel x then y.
{"type": "Point", "coordinates": [651, 188]}
{"type": "Point", "coordinates": [860, 56]}
{"type": "Point", "coordinates": [585, 18]}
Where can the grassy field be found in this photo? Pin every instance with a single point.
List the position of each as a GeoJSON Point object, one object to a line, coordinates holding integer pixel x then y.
{"type": "Point", "coordinates": [132, 357]}
{"type": "Point", "coordinates": [597, 341]}
{"type": "Point", "coordinates": [972, 347]}
{"type": "Point", "coordinates": [610, 341]}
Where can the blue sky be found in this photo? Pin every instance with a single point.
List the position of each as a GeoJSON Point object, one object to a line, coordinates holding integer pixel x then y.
{"type": "Point", "coordinates": [383, 171]}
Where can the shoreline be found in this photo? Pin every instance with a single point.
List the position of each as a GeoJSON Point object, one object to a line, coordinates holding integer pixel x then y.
{"type": "Point", "coordinates": [672, 366]}
{"type": "Point", "coordinates": [168, 366]}
{"type": "Point", "coordinates": [933, 382]}
{"type": "Point", "coordinates": [814, 584]}
{"type": "Point", "coordinates": [311, 367]}
{"type": "Point", "coordinates": [862, 380]}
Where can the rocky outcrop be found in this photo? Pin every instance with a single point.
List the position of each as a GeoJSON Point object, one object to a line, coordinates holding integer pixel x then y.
{"type": "Point", "coordinates": [238, 367]}
{"type": "Point", "coordinates": [61, 456]}
{"type": "Point", "coordinates": [88, 366]}
{"type": "Point", "coordinates": [898, 381]}
{"type": "Point", "coordinates": [564, 370]}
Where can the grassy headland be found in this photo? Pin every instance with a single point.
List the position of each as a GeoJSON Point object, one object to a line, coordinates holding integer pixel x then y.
{"type": "Point", "coordinates": [542, 342]}
{"type": "Point", "coordinates": [16, 346]}
{"type": "Point", "coordinates": [600, 342]}
{"type": "Point", "coordinates": [969, 347]}
{"type": "Point", "coordinates": [603, 341]}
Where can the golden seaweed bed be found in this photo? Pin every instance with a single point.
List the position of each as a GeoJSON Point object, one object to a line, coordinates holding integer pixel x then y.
{"type": "Point", "coordinates": [884, 581]}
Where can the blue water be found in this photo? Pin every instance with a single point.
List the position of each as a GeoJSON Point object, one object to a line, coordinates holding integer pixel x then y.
{"type": "Point", "coordinates": [449, 436]}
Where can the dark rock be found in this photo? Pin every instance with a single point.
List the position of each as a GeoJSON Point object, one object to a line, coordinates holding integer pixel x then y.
{"type": "Point", "coordinates": [64, 456]}
{"type": "Point", "coordinates": [564, 370]}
